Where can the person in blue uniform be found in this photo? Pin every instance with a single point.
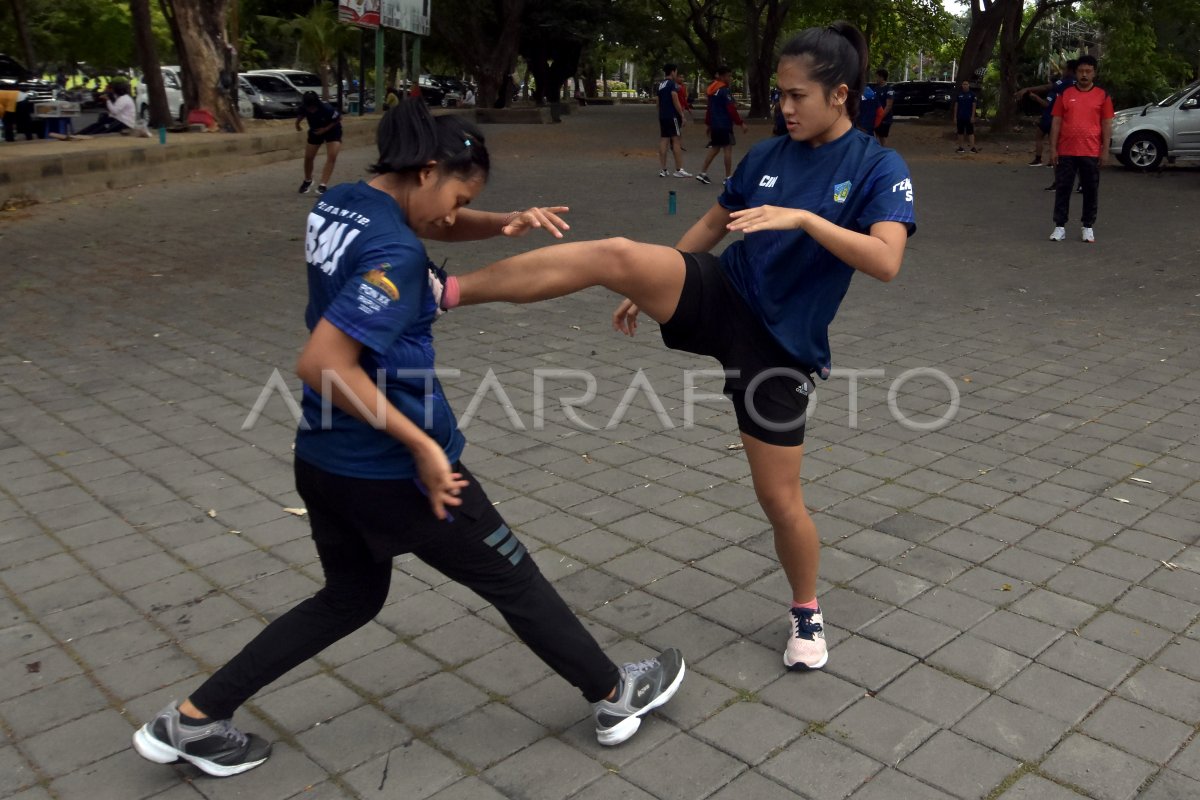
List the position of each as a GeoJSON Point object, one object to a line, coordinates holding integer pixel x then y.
{"type": "Point", "coordinates": [887, 100]}
{"type": "Point", "coordinates": [1052, 91]}
{"type": "Point", "coordinates": [324, 128]}
{"type": "Point", "coordinates": [868, 105]}
{"type": "Point", "coordinates": [965, 106]}
{"type": "Point", "coordinates": [670, 124]}
{"type": "Point", "coordinates": [816, 207]}
{"type": "Point", "coordinates": [378, 452]}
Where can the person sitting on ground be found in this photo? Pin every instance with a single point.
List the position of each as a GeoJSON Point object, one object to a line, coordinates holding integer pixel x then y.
{"type": "Point", "coordinates": [120, 114]}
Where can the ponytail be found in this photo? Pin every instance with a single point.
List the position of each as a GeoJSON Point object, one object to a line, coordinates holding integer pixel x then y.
{"type": "Point", "coordinates": [409, 137]}
{"type": "Point", "coordinates": [836, 54]}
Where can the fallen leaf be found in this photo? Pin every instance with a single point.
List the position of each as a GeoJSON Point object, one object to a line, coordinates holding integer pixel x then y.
{"type": "Point", "coordinates": [1120, 499]}
{"type": "Point", "coordinates": [299, 512]}
{"type": "Point", "coordinates": [33, 666]}
{"type": "Point", "coordinates": [586, 458]}
{"type": "Point", "coordinates": [1169, 565]}
{"type": "Point", "coordinates": [212, 512]}
{"type": "Point", "coordinates": [1006, 587]}
{"type": "Point", "coordinates": [735, 446]}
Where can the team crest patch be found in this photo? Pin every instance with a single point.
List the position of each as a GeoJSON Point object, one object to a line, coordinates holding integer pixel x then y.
{"type": "Point", "coordinates": [379, 279]}
{"type": "Point", "coordinates": [841, 191]}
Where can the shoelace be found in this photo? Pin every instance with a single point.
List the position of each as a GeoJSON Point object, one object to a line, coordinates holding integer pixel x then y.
{"type": "Point", "coordinates": [229, 732]}
{"type": "Point", "coordinates": [638, 667]}
{"type": "Point", "coordinates": [805, 627]}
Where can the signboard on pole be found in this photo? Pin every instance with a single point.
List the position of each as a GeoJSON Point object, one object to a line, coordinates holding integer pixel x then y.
{"type": "Point", "coordinates": [405, 15]}
{"type": "Point", "coordinates": [363, 13]}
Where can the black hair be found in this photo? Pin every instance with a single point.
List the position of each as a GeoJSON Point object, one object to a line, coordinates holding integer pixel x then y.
{"type": "Point", "coordinates": [119, 86]}
{"type": "Point", "coordinates": [668, 69]}
{"type": "Point", "coordinates": [409, 137]}
{"type": "Point", "coordinates": [1072, 63]}
{"type": "Point", "coordinates": [723, 69]}
{"type": "Point", "coordinates": [1086, 59]}
{"type": "Point", "coordinates": [836, 54]}
{"type": "Point", "coordinates": [310, 99]}
{"type": "Point", "coordinates": [881, 73]}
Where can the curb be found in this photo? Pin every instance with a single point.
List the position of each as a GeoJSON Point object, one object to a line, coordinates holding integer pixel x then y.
{"type": "Point", "coordinates": [47, 172]}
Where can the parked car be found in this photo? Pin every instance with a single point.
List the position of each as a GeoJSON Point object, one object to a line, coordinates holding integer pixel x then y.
{"type": "Point", "coordinates": [1169, 129]}
{"type": "Point", "coordinates": [270, 96]}
{"type": "Point", "coordinates": [914, 98]}
{"type": "Point", "coordinates": [173, 84]}
{"type": "Point", "coordinates": [454, 89]}
{"type": "Point", "coordinates": [14, 77]}
{"type": "Point", "coordinates": [298, 79]}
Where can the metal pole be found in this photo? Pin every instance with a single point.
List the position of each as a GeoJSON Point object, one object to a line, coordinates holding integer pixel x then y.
{"type": "Point", "coordinates": [380, 77]}
{"type": "Point", "coordinates": [362, 70]}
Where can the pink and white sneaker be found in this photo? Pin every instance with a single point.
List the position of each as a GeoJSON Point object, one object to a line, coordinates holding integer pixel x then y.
{"type": "Point", "coordinates": [806, 646]}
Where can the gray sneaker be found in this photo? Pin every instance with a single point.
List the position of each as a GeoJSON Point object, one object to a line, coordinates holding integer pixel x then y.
{"type": "Point", "coordinates": [216, 747]}
{"type": "Point", "coordinates": [645, 685]}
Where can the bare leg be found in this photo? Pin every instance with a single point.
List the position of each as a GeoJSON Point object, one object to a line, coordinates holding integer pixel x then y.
{"type": "Point", "coordinates": [663, 144]}
{"type": "Point", "coordinates": [708, 159]}
{"type": "Point", "coordinates": [728, 161]}
{"type": "Point", "coordinates": [310, 155]}
{"type": "Point", "coordinates": [676, 148]}
{"type": "Point", "coordinates": [331, 153]}
{"type": "Point", "coordinates": [650, 275]}
{"type": "Point", "coordinates": [775, 471]}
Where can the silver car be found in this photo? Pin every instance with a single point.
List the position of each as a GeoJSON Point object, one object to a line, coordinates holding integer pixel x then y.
{"type": "Point", "coordinates": [1142, 137]}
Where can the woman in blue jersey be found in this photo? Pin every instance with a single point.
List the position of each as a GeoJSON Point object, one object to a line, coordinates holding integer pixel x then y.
{"type": "Point", "coordinates": [815, 207]}
{"type": "Point", "coordinates": [377, 453]}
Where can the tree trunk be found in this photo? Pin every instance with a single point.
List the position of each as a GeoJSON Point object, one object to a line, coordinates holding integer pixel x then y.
{"type": "Point", "coordinates": [764, 20]}
{"type": "Point", "coordinates": [22, 24]}
{"type": "Point", "coordinates": [199, 30]}
{"type": "Point", "coordinates": [1010, 51]}
{"type": "Point", "coordinates": [986, 21]}
{"type": "Point", "coordinates": [484, 36]}
{"type": "Point", "coordinates": [152, 82]}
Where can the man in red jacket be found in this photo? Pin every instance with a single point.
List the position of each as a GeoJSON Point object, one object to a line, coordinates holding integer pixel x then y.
{"type": "Point", "coordinates": [1079, 137]}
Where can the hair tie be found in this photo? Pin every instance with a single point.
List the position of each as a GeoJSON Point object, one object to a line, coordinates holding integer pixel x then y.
{"type": "Point", "coordinates": [467, 142]}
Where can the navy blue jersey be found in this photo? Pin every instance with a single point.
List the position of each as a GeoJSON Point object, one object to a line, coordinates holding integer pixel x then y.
{"type": "Point", "coordinates": [793, 283]}
{"type": "Point", "coordinates": [718, 110]}
{"type": "Point", "coordinates": [884, 93]}
{"type": "Point", "coordinates": [868, 104]}
{"type": "Point", "coordinates": [666, 105]}
{"type": "Point", "coordinates": [963, 103]}
{"type": "Point", "coordinates": [368, 275]}
{"type": "Point", "coordinates": [1056, 90]}
{"type": "Point", "coordinates": [320, 116]}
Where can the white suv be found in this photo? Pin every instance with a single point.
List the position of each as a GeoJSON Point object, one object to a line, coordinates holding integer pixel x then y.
{"type": "Point", "coordinates": [1142, 137]}
{"type": "Point", "coordinates": [300, 80]}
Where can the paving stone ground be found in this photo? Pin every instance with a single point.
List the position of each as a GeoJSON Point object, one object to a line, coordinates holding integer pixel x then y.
{"type": "Point", "coordinates": [1011, 598]}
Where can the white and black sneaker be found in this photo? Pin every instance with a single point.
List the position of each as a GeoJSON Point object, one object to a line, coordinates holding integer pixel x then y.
{"type": "Point", "coordinates": [662, 173]}
{"type": "Point", "coordinates": [1058, 234]}
{"type": "Point", "coordinates": [305, 186]}
{"type": "Point", "coordinates": [703, 178]}
{"type": "Point", "coordinates": [215, 746]}
{"type": "Point", "coordinates": [645, 685]}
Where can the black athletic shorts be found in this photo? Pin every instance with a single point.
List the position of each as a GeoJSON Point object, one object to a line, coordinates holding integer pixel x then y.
{"type": "Point", "coordinates": [720, 138]}
{"type": "Point", "coordinates": [769, 389]}
{"type": "Point", "coordinates": [965, 127]}
{"type": "Point", "coordinates": [334, 134]}
{"type": "Point", "coordinates": [883, 129]}
{"type": "Point", "coordinates": [668, 128]}
{"type": "Point", "coordinates": [1044, 125]}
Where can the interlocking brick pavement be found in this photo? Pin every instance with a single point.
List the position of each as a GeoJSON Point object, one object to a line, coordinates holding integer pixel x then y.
{"type": "Point", "coordinates": [1012, 599]}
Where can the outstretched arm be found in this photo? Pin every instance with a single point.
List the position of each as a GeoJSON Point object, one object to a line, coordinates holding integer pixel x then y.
{"type": "Point", "coordinates": [471, 224]}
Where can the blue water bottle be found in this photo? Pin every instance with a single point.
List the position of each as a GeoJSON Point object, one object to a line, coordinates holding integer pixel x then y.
{"type": "Point", "coordinates": [162, 134]}
{"type": "Point", "coordinates": [671, 202]}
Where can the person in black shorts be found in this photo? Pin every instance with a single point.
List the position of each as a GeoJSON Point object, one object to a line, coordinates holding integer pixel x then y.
{"type": "Point", "coordinates": [324, 128]}
{"type": "Point", "coordinates": [816, 206]}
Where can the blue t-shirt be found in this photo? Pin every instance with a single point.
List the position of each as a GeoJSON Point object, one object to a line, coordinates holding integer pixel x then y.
{"type": "Point", "coordinates": [794, 284]}
{"type": "Point", "coordinates": [718, 110]}
{"type": "Point", "coordinates": [369, 276]}
{"type": "Point", "coordinates": [666, 106]}
{"type": "Point", "coordinates": [1056, 90]}
{"type": "Point", "coordinates": [320, 116]}
{"type": "Point", "coordinates": [885, 93]}
{"type": "Point", "coordinates": [963, 103]}
{"type": "Point", "coordinates": [868, 104]}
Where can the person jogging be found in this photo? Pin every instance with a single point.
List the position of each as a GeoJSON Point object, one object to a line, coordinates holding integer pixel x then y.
{"type": "Point", "coordinates": [719, 118]}
{"type": "Point", "coordinates": [816, 206]}
{"type": "Point", "coordinates": [378, 452]}
{"type": "Point", "coordinates": [324, 128]}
